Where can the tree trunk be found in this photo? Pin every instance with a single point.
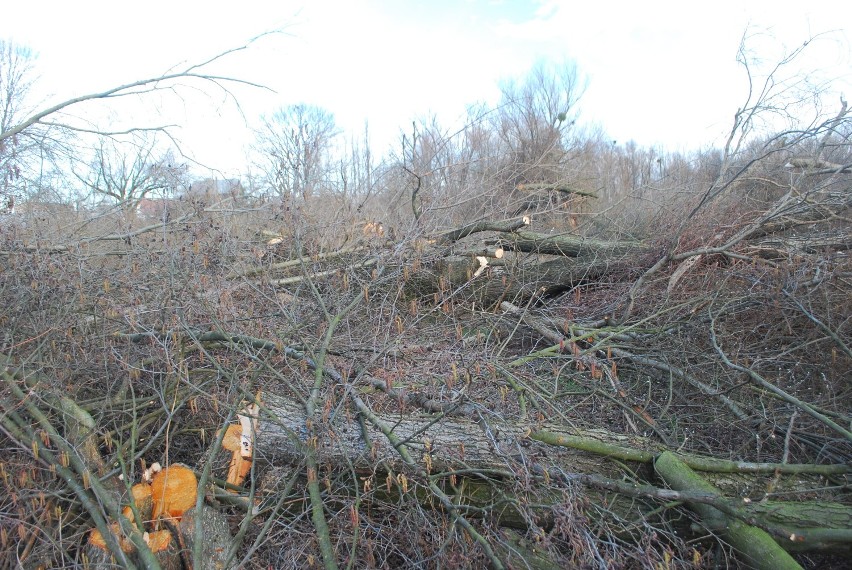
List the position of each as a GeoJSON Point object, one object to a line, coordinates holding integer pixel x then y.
{"type": "Point", "coordinates": [568, 245]}
{"type": "Point", "coordinates": [495, 449]}
{"type": "Point", "coordinates": [755, 545]}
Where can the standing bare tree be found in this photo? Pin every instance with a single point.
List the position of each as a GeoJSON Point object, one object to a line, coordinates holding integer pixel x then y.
{"type": "Point", "coordinates": [295, 143]}
{"type": "Point", "coordinates": [129, 171]}
{"type": "Point", "coordinates": [18, 122]}
{"type": "Point", "coordinates": [36, 137]}
{"type": "Point", "coordinates": [534, 119]}
{"type": "Point", "coordinates": [16, 79]}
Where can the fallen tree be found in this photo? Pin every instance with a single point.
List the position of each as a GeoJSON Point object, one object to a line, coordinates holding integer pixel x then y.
{"type": "Point", "coordinates": [469, 394]}
{"type": "Point", "coordinates": [489, 450]}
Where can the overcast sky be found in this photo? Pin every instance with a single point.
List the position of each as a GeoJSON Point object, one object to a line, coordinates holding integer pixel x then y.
{"type": "Point", "coordinates": [659, 72]}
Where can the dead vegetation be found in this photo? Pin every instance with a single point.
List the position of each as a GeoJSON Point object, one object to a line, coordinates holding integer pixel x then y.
{"type": "Point", "coordinates": [516, 346]}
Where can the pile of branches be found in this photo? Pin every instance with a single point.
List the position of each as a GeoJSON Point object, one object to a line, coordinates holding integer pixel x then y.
{"type": "Point", "coordinates": [491, 395]}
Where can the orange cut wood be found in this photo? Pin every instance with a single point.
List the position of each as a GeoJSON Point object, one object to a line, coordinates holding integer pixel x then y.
{"type": "Point", "coordinates": [231, 441]}
{"type": "Point", "coordinates": [159, 540]}
{"type": "Point", "coordinates": [143, 500]}
{"type": "Point", "coordinates": [174, 491]}
{"type": "Point", "coordinates": [141, 494]}
{"type": "Point", "coordinates": [238, 469]}
{"type": "Point", "coordinates": [127, 512]}
{"type": "Point", "coordinates": [239, 465]}
{"type": "Point", "coordinates": [98, 540]}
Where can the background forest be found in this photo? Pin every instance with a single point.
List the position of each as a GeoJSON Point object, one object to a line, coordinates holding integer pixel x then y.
{"type": "Point", "coordinates": [514, 344]}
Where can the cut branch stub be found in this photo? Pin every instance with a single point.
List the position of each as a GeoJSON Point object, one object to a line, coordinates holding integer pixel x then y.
{"type": "Point", "coordinates": [174, 491]}
{"type": "Point", "coordinates": [240, 463]}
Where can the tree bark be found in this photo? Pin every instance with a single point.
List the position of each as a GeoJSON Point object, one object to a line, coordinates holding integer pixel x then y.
{"type": "Point", "coordinates": [562, 189]}
{"type": "Point", "coordinates": [568, 245]}
{"type": "Point", "coordinates": [497, 449]}
{"type": "Point", "coordinates": [754, 544]}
